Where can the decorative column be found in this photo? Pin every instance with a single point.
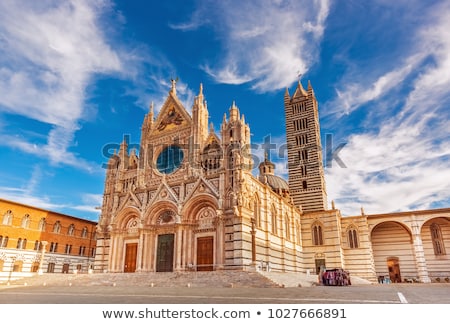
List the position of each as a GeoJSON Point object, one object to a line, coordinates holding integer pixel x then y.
{"type": "Point", "coordinates": [41, 262]}
{"type": "Point", "coordinates": [220, 244]}
{"type": "Point", "coordinates": [419, 254]}
{"type": "Point", "coordinates": [140, 249]}
{"type": "Point", "coordinates": [253, 233]}
{"type": "Point", "coordinates": [178, 244]}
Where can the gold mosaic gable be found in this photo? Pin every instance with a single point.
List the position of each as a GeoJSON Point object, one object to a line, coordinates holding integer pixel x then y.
{"type": "Point", "coordinates": [172, 115]}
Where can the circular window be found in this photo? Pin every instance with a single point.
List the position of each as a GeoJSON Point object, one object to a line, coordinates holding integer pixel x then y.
{"type": "Point", "coordinates": [169, 159]}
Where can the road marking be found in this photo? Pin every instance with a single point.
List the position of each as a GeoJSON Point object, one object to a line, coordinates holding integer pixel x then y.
{"type": "Point", "coordinates": [220, 299]}
{"type": "Point", "coordinates": [402, 298]}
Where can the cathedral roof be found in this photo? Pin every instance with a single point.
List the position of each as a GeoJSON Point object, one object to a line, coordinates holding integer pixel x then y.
{"type": "Point", "coordinates": [276, 182]}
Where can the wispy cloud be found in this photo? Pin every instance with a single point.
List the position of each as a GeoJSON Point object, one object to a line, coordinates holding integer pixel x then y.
{"type": "Point", "coordinates": [266, 42]}
{"type": "Point", "coordinates": [402, 163]}
{"type": "Point", "coordinates": [49, 52]}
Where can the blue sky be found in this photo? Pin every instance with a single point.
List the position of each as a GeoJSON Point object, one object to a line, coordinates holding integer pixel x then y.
{"type": "Point", "coordinates": [78, 75]}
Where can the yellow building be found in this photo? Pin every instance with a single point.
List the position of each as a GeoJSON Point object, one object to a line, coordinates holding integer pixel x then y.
{"type": "Point", "coordinates": [188, 201]}
{"type": "Point", "coordinates": [34, 239]}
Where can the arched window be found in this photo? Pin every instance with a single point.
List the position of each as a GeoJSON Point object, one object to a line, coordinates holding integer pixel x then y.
{"type": "Point", "coordinates": [19, 243]}
{"type": "Point", "coordinates": [436, 237]}
{"type": "Point", "coordinates": [26, 221]}
{"type": "Point", "coordinates": [37, 245]}
{"type": "Point", "coordinates": [7, 218]}
{"type": "Point", "coordinates": [353, 238]}
{"type": "Point", "coordinates": [288, 227]}
{"type": "Point", "coordinates": [57, 227]}
{"type": "Point", "coordinates": [256, 212]}
{"type": "Point", "coordinates": [317, 234]}
{"type": "Point", "coordinates": [4, 242]}
{"type": "Point", "coordinates": [84, 232]}
{"type": "Point", "coordinates": [42, 224]}
{"type": "Point", "coordinates": [274, 220]}
{"type": "Point", "coordinates": [71, 230]}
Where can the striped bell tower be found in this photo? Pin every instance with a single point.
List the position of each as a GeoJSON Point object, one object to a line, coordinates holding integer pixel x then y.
{"type": "Point", "coordinates": [305, 164]}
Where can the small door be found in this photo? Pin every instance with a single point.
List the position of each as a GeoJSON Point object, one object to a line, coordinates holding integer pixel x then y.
{"type": "Point", "coordinates": [205, 253]}
{"type": "Point", "coordinates": [164, 254]}
{"type": "Point", "coordinates": [320, 265]}
{"type": "Point", "coordinates": [65, 268]}
{"type": "Point", "coordinates": [394, 270]}
{"type": "Point", "coordinates": [130, 257]}
{"type": "Point", "coordinates": [51, 267]}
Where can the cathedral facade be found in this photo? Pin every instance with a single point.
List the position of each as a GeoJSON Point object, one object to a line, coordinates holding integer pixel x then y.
{"type": "Point", "coordinates": [188, 201]}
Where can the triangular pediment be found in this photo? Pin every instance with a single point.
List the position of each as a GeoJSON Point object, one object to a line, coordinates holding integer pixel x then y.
{"type": "Point", "coordinates": [130, 200]}
{"type": "Point", "coordinates": [202, 186]}
{"type": "Point", "coordinates": [164, 192]}
{"type": "Point", "coordinates": [172, 115]}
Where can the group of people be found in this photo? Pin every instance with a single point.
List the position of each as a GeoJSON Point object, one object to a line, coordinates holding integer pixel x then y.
{"type": "Point", "coordinates": [334, 277]}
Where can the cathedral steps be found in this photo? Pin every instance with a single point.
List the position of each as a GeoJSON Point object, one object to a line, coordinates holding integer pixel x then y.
{"type": "Point", "coordinates": [233, 278]}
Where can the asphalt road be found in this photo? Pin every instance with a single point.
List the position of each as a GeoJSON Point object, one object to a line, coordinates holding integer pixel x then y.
{"type": "Point", "coordinates": [364, 294]}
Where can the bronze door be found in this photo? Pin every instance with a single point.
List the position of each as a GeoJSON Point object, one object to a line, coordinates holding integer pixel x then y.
{"type": "Point", "coordinates": [394, 270]}
{"type": "Point", "coordinates": [130, 257]}
{"type": "Point", "coordinates": [205, 253]}
{"type": "Point", "coordinates": [164, 254]}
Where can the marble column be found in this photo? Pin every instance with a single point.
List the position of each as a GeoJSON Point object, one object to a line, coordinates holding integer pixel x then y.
{"type": "Point", "coordinates": [421, 265]}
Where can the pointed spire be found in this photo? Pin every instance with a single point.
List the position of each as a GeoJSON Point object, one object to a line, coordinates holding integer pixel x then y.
{"type": "Point", "coordinates": [211, 128]}
{"type": "Point", "coordinates": [151, 113]}
{"type": "Point", "coordinates": [310, 89]}
{"type": "Point", "coordinates": [173, 90]}
{"type": "Point", "coordinates": [300, 90]}
{"type": "Point", "coordinates": [286, 93]}
{"type": "Point", "coordinates": [200, 92]}
{"type": "Point", "coordinates": [234, 111]}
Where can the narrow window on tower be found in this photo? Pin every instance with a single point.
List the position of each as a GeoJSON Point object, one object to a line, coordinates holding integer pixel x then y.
{"type": "Point", "coordinates": [304, 184]}
{"type": "Point", "coordinates": [303, 170]}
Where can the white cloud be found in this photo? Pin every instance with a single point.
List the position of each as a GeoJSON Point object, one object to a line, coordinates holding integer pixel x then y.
{"type": "Point", "coordinates": [50, 51]}
{"type": "Point", "coordinates": [265, 42]}
{"type": "Point", "coordinates": [403, 164]}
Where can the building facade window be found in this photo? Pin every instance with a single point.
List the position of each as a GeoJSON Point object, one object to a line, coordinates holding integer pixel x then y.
{"type": "Point", "coordinates": [71, 230]}
{"type": "Point", "coordinates": [84, 232]}
{"type": "Point", "coordinates": [274, 221]}
{"type": "Point", "coordinates": [57, 227]}
{"type": "Point", "coordinates": [353, 238]}
{"type": "Point", "coordinates": [26, 221]}
{"type": "Point", "coordinates": [4, 241]}
{"type": "Point", "coordinates": [317, 234]}
{"type": "Point", "coordinates": [7, 218]}
{"type": "Point", "coordinates": [256, 212]}
{"type": "Point", "coordinates": [288, 227]}
{"type": "Point", "coordinates": [37, 245]}
{"type": "Point", "coordinates": [42, 225]}
{"type": "Point", "coordinates": [436, 237]}
{"type": "Point", "coordinates": [53, 247]}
